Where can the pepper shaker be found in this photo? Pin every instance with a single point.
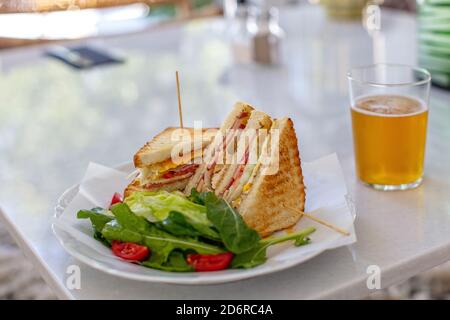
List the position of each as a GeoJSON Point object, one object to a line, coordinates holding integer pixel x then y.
{"type": "Point", "coordinates": [265, 35]}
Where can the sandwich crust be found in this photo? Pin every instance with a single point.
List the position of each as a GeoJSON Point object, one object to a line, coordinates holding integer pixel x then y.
{"type": "Point", "coordinates": [262, 208]}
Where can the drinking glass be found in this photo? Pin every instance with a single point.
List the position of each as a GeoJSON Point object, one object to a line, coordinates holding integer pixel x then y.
{"type": "Point", "coordinates": [389, 110]}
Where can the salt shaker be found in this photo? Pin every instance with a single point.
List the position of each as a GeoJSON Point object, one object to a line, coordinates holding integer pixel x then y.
{"type": "Point", "coordinates": [265, 34]}
{"type": "Point", "coordinates": [240, 38]}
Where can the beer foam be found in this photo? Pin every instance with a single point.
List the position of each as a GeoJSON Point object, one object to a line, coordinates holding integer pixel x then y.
{"type": "Point", "coordinates": [389, 105]}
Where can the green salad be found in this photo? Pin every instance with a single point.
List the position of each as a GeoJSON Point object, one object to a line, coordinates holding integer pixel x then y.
{"type": "Point", "coordinates": [172, 232]}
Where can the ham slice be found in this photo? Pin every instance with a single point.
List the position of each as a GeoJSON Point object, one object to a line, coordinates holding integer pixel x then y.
{"type": "Point", "coordinates": [180, 171]}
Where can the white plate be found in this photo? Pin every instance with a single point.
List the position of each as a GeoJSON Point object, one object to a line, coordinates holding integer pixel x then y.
{"type": "Point", "coordinates": [280, 257]}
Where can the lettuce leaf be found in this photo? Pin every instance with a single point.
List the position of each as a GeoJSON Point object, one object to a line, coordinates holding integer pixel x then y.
{"type": "Point", "coordinates": [157, 207]}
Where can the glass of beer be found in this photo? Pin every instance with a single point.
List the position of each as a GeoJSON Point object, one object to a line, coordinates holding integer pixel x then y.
{"type": "Point", "coordinates": [389, 110]}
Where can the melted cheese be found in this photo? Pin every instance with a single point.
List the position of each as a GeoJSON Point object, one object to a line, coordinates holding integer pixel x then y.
{"type": "Point", "coordinates": [155, 171]}
{"type": "Point", "coordinates": [237, 202]}
{"type": "Point", "coordinates": [246, 187]}
{"type": "Point", "coordinates": [164, 166]}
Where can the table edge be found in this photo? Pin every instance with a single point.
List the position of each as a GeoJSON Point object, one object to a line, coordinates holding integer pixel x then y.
{"type": "Point", "coordinates": [28, 250]}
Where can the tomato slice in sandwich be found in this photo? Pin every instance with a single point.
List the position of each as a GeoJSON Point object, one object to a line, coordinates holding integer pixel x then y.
{"type": "Point", "coordinates": [180, 171]}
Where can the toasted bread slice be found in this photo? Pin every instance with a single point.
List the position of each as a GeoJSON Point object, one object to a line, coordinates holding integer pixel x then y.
{"type": "Point", "coordinates": [262, 208]}
{"type": "Point", "coordinates": [160, 147]}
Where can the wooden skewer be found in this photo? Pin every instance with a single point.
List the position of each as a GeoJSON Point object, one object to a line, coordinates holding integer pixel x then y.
{"type": "Point", "coordinates": [337, 229]}
{"type": "Point", "coordinates": [180, 112]}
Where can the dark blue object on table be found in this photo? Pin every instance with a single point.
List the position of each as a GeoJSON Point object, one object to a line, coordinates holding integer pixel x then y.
{"type": "Point", "coordinates": [82, 57]}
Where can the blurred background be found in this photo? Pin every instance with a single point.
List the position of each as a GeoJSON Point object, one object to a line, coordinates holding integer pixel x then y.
{"type": "Point", "coordinates": [33, 22]}
{"type": "Point", "coordinates": [27, 22]}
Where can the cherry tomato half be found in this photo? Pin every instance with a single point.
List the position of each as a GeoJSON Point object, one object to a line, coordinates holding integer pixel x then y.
{"type": "Point", "coordinates": [210, 262]}
{"type": "Point", "coordinates": [117, 198]}
{"type": "Point", "coordinates": [130, 251]}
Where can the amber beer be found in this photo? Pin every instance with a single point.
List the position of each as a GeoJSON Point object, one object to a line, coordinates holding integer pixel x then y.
{"type": "Point", "coordinates": [389, 133]}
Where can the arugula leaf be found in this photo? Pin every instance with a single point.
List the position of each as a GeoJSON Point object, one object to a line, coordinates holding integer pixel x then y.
{"type": "Point", "coordinates": [99, 237]}
{"type": "Point", "coordinates": [97, 216]}
{"type": "Point", "coordinates": [198, 197]}
{"type": "Point", "coordinates": [175, 263]}
{"type": "Point", "coordinates": [114, 231]}
{"type": "Point", "coordinates": [161, 245]}
{"type": "Point", "coordinates": [130, 228]}
{"type": "Point", "coordinates": [157, 206]}
{"type": "Point", "coordinates": [98, 219]}
{"type": "Point", "coordinates": [258, 255]}
{"type": "Point", "coordinates": [177, 224]}
{"type": "Point", "coordinates": [235, 234]}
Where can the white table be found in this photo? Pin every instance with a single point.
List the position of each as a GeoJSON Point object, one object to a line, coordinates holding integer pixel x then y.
{"type": "Point", "coordinates": [54, 120]}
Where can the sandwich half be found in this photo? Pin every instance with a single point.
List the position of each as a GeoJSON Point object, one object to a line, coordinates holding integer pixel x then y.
{"type": "Point", "coordinates": [266, 192]}
{"type": "Point", "coordinates": [157, 169]}
{"type": "Point", "coordinates": [259, 189]}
